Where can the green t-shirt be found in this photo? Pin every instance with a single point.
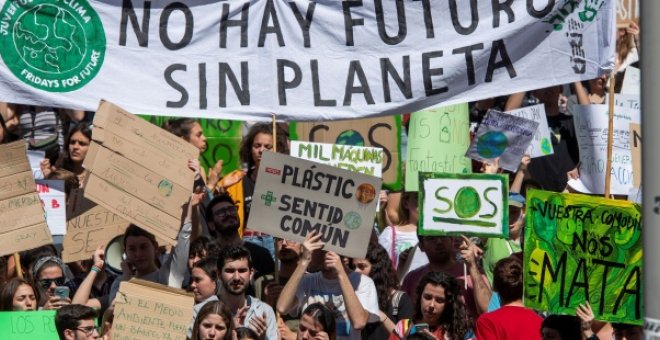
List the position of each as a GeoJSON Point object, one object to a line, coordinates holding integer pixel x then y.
{"type": "Point", "coordinates": [497, 249]}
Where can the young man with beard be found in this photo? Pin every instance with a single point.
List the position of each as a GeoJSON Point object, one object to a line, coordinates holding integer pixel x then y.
{"type": "Point", "coordinates": [223, 222]}
{"type": "Point", "coordinates": [499, 248]}
{"type": "Point", "coordinates": [446, 254]}
{"type": "Point", "coordinates": [235, 267]}
{"type": "Point", "coordinates": [349, 294]}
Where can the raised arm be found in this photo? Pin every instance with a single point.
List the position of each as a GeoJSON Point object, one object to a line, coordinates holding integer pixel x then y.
{"type": "Point", "coordinates": [288, 299]}
{"type": "Point", "coordinates": [85, 289]}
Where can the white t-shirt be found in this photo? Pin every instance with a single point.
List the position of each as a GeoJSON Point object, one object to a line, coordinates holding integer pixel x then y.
{"type": "Point", "coordinates": [403, 240]}
{"type": "Point", "coordinates": [315, 288]}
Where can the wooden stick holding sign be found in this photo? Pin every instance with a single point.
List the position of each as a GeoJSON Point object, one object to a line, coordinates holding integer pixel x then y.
{"type": "Point", "coordinates": [277, 263]}
{"type": "Point", "coordinates": [610, 137]}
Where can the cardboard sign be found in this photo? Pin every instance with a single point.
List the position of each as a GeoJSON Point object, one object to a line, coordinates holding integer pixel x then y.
{"type": "Point", "coordinates": [636, 151]}
{"type": "Point", "coordinates": [294, 197]}
{"type": "Point", "coordinates": [591, 128]}
{"type": "Point", "coordinates": [23, 224]}
{"type": "Point", "coordinates": [502, 135]}
{"type": "Point", "coordinates": [147, 310]}
{"type": "Point", "coordinates": [88, 227]}
{"type": "Point", "coordinates": [541, 144]}
{"type": "Point", "coordinates": [364, 160]}
{"type": "Point", "coordinates": [383, 132]}
{"type": "Point", "coordinates": [437, 141]}
{"type": "Point", "coordinates": [583, 248]}
{"type": "Point", "coordinates": [53, 198]}
{"type": "Point", "coordinates": [464, 204]}
{"type": "Point", "coordinates": [28, 325]}
{"type": "Point", "coordinates": [139, 171]}
{"type": "Point", "coordinates": [223, 139]}
{"type": "Point", "coordinates": [627, 11]}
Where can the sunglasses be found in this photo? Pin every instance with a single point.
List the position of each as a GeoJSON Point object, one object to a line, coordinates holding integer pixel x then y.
{"type": "Point", "coordinates": [46, 283]}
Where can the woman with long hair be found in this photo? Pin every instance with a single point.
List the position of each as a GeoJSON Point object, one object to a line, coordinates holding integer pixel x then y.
{"type": "Point", "coordinates": [393, 304]}
{"type": "Point", "coordinates": [214, 322]}
{"type": "Point", "coordinates": [398, 238]}
{"type": "Point", "coordinates": [76, 147]}
{"type": "Point", "coordinates": [317, 322]}
{"type": "Point", "coordinates": [19, 295]}
{"type": "Point", "coordinates": [439, 306]}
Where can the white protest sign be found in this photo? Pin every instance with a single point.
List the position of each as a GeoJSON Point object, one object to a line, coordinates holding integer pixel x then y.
{"type": "Point", "coordinates": [51, 193]}
{"type": "Point", "coordinates": [541, 144]}
{"type": "Point", "coordinates": [502, 136]}
{"type": "Point", "coordinates": [293, 197]}
{"type": "Point", "coordinates": [464, 204]}
{"type": "Point", "coordinates": [365, 160]}
{"type": "Point", "coordinates": [632, 81]}
{"type": "Point", "coordinates": [301, 60]}
{"type": "Point", "coordinates": [35, 157]}
{"type": "Point", "coordinates": [631, 101]}
{"type": "Point", "coordinates": [591, 128]}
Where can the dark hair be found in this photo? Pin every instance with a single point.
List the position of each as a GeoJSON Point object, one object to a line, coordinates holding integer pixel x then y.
{"type": "Point", "coordinates": [246, 333]}
{"type": "Point", "coordinates": [203, 246]}
{"type": "Point", "coordinates": [454, 318]}
{"type": "Point", "coordinates": [245, 151]}
{"type": "Point", "coordinates": [135, 231]}
{"type": "Point", "coordinates": [83, 128]}
{"type": "Point", "coordinates": [508, 280]}
{"type": "Point", "coordinates": [324, 317]}
{"type": "Point", "coordinates": [28, 258]}
{"type": "Point", "coordinates": [568, 326]}
{"type": "Point", "coordinates": [9, 289]}
{"type": "Point", "coordinates": [69, 317]}
{"type": "Point", "coordinates": [180, 127]}
{"type": "Point", "coordinates": [233, 253]}
{"type": "Point", "coordinates": [404, 215]}
{"type": "Point", "coordinates": [214, 307]}
{"type": "Point", "coordinates": [217, 199]}
{"type": "Point", "coordinates": [209, 265]}
{"type": "Point", "coordinates": [70, 179]}
{"type": "Point", "coordinates": [381, 273]}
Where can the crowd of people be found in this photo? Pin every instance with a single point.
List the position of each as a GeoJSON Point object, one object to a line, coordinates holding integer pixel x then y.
{"type": "Point", "coordinates": [409, 286]}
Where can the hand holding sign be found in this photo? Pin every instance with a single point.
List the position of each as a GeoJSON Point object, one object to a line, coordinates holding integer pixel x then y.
{"type": "Point", "coordinates": [312, 242]}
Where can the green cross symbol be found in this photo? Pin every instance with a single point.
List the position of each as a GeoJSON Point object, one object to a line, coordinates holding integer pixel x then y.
{"type": "Point", "coordinates": [268, 198]}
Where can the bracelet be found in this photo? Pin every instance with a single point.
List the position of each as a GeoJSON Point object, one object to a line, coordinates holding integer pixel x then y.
{"type": "Point", "coordinates": [96, 269]}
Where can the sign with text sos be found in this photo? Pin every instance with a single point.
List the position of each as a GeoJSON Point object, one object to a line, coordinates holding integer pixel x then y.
{"type": "Point", "coordinates": [464, 204]}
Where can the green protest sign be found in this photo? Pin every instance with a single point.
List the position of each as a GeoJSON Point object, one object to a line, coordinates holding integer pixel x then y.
{"type": "Point", "coordinates": [582, 248]}
{"type": "Point", "coordinates": [29, 325]}
{"type": "Point", "coordinates": [381, 132]}
{"type": "Point", "coordinates": [437, 141]}
{"type": "Point", "coordinates": [223, 138]}
{"type": "Point", "coordinates": [463, 204]}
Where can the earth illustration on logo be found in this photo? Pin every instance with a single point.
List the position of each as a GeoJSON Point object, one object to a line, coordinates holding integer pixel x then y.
{"type": "Point", "coordinates": [55, 46]}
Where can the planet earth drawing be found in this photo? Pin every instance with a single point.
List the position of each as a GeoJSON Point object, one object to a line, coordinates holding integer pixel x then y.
{"type": "Point", "coordinates": [492, 144]}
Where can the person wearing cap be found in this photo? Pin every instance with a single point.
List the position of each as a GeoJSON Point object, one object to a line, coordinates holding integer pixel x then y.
{"type": "Point", "coordinates": [499, 248]}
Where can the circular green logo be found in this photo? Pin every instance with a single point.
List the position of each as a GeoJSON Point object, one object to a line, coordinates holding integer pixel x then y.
{"type": "Point", "coordinates": [165, 188]}
{"type": "Point", "coordinates": [55, 46]}
{"type": "Point", "coordinates": [352, 220]}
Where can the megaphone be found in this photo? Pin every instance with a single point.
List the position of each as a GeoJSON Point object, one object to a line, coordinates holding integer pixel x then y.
{"type": "Point", "coordinates": [114, 254]}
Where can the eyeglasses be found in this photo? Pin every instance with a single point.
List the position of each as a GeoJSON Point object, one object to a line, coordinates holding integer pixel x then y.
{"type": "Point", "coordinates": [89, 330]}
{"type": "Point", "coordinates": [46, 283]}
{"type": "Point", "coordinates": [225, 211]}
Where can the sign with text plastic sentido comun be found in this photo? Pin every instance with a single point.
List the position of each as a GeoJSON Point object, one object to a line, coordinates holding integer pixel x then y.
{"type": "Point", "coordinates": [582, 248]}
{"type": "Point", "coordinates": [294, 197]}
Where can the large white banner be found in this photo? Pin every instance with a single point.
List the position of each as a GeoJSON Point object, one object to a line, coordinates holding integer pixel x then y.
{"type": "Point", "coordinates": [298, 59]}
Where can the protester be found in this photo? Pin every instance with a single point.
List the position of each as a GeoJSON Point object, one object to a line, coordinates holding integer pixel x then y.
{"type": "Point", "coordinates": [244, 333]}
{"type": "Point", "coordinates": [512, 320]}
{"type": "Point", "coordinates": [317, 323]}
{"type": "Point", "coordinates": [561, 327]}
{"type": "Point", "coordinates": [142, 259]}
{"type": "Point", "coordinates": [18, 295]}
{"type": "Point", "coordinates": [438, 305]}
{"type": "Point", "coordinates": [4, 133]}
{"type": "Point", "coordinates": [223, 222]}
{"type": "Point", "coordinates": [49, 275]}
{"type": "Point", "coordinates": [397, 238]}
{"type": "Point", "coordinates": [200, 248]}
{"type": "Point", "coordinates": [240, 184]}
{"type": "Point", "coordinates": [393, 304]}
{"type": "Point", "coordinates": [441, 252]}
{"type": "Point", "coordinates": [94, 290]}
{"type": "Point", "coordinates": [204, 283]}
{"type": "Point", "coordinates": [76, 322]}
{"type": "Point", "coordinates": [499, 248]}
{"type": "Point", "coordinates": [235, 267]}
{"type": "Point", "coordinates": [214, 322]}
{"type": "Point", "coordinates": [350, 295]}
{"type": "Point", "coordinates": [627, 332]}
